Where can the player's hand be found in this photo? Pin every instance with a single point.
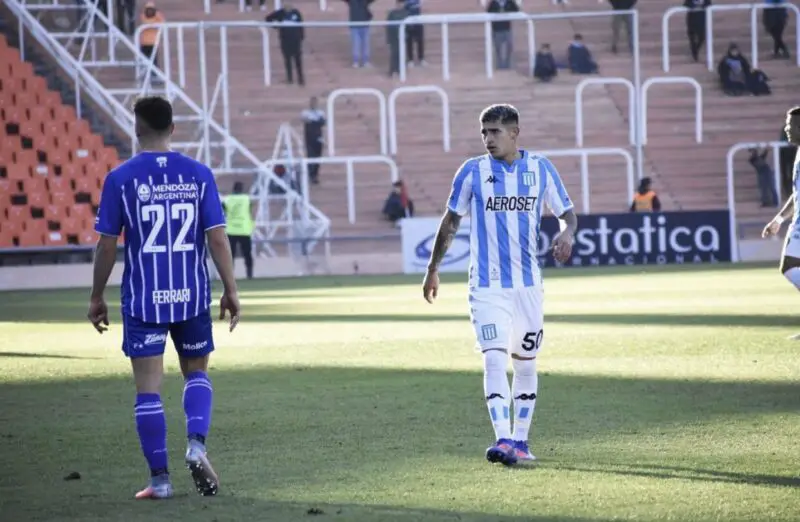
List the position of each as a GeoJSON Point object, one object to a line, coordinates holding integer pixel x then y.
{"type": "Point", "coordinates": [430, 285]}
{"type": "Point", "coordinates": [562, 246]}
{"type": "Point", "coordinates": [772, 228]}
{"type": "Point", "coordinates": [98, 314]}
{"type": "Point", "coordinates": [229, 302]}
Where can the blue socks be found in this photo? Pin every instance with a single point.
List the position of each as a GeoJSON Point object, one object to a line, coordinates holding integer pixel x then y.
{"type": "Point", "coordinates": [197, 400]}
{"type": "Point", "coordinates": [151, 424]}
{"type": "Point", "coordinates": [152, 428]}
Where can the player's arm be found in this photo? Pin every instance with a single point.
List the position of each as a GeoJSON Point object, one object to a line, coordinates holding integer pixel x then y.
{"type": "Point", "coordinates": [108, 224]}
{"type": "Point", "coordinates": [557, 199]}
{"type": "Point", "coordinates": [213, 221]}
{"type": "Point", "coordinates": [774, 226]}
{"type": "Point", "coordinates": [444, 238]}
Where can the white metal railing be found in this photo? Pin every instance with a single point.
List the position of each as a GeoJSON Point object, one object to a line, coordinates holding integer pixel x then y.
{"type": "Point", "coordinates": [753, 8]}
{"type": "Point", "coordinates": [605, 81]}
{"type": "Point", "coordinates": [584, 156]}
{"type": "Point", "coordinates": [323, 5]}
{"type": "Point", "coordinates": [84, 81]}
{"type": "Point", "coordinates": [413, 90]}
{"type": "Point", "coordinates": [776, 161]}
{"type": "Point", "coordinates": [486, 18]}
{"type": "Point", "coordinates": [698, 103]}
{"type": "Point", "coordinates": [349, 162]}
{"type": "Point", "coordinates": [331, 120]}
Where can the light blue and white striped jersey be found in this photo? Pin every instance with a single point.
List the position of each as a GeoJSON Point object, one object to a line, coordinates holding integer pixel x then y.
{"type": "Point", "coordinates": [165, 202]}
{"type": "Point", "coordinates": [506, 205]}
{"type": "Point", "coordinates": [796, 187]}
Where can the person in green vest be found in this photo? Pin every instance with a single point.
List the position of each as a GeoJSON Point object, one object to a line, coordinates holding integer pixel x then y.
{"type": "Point", "coordinates": [239, 218]}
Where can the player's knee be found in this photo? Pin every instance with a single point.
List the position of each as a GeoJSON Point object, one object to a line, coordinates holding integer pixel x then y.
{"type": "Point", "coordinates": [525, 366]}
{"type": "Point", "coordinates": [495, 360]}
{"type": "Point", "coordinates": [190, 365]}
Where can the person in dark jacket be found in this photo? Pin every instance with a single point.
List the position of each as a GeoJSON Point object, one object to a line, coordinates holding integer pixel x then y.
{"type": "Point", "coordinates": [580, 58]}
{"type": "Point", "coordinates": [313, 123]}
{"type": "Point", "coordinates": [359, 34]}
{"type": "Point", "coordinates": [291, 36]}
{"type": "Point", "coordinates": [734, 72]}
{"type": "Point", "coordinates": [398, 205]}
{"type": "Point", "coordinates": [501, 32]}
{"type": "Point", "coordinates": [696, 25]}
{"type": "Point", "coordinates": [617, 21]}
{"type": "Point", "coordinates": [766, 177]}
{"type": "Point", "coordinates": [393, 36]}
{"type": "Point", "coordinates": [546, 68]}
{"type": "Point", "coordinates": [415, 34]}
{"type": "Point", "coordinates": [775, 20]}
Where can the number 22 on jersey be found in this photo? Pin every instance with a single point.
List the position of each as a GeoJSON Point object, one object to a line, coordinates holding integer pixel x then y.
{"type": "Point", "coordinates": [156, 214]}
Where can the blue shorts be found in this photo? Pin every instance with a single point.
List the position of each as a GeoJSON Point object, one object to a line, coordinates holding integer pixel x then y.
{"type": "Point", "coordinates": [192, 338]}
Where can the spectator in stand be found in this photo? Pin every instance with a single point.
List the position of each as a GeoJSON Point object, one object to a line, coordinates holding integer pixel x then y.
{"type": "Point", "coordinates": [622, 19]}
{"type": "Point", "coordinates": [545, 69]}
{"type": "Point", "coordinates": [645, 199]}
{"type": "Point", "coordinates": [398, 205]}
{"type": "Point", "coordinates": [359, 34]}
{"type": "Point", "coordinates": [149, 37]}
{"type": "Point", "coordinates": [766, 177]}
{"type": "Point", "coordinates": [734, 72]}
{"type": "Point", "coordinates": [580, 58]}
{"type": "Point", "coordinates": [775, 19]}
{"type": "Point", "coordinates": [501, 32]}
{"type": "Point", "coordinates": [280, 173]}
{"type": "Point", "coordinates": [696, 25]}
{"type": "Point", "coordinates": [248, 5]}
{"type": "Point", "coordinates": [291, 35]}
{"type": "Point", "coordinates": [126, 16]}
{"type": "Point", "coordinates": [415, 34]}
{"type": "Point", "coordinates": [759, 83]}
{"type": "Point", "coordinates": [313, 122]}
{"type": "Point", "coordinates": [393, 36]}
{"type": "Point", "coordinates": [787, 156]}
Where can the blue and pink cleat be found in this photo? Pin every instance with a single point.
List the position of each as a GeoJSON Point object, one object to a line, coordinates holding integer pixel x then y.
{"type": "Point", "coordinates": [503, 452]}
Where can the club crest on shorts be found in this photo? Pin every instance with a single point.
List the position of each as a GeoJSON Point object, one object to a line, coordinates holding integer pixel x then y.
{"type": "Point", "coordinates": [489, 332]}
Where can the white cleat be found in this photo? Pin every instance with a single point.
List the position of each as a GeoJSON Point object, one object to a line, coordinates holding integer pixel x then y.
{"type": "Point", "coordinates": [205, 479]}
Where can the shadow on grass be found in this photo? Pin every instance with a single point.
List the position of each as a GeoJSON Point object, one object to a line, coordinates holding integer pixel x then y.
{"type": "Point", "coordinates": [32, 355]}
{"type": "Point", "coordinates": [688, 473]}
{"type": "Point", "coordinates": [349, 438]}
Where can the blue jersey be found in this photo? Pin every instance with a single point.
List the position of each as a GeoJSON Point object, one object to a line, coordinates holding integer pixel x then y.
{"type": "Point", "coordinates": [506, 204]}
{"type": "Point", "coordinates": [165, 202]}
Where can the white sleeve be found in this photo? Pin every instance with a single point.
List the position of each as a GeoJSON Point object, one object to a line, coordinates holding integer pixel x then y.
{"type": "Point", "coordinates": [461, 192]}
{"type": "Point", "coordinates": [555, 194]}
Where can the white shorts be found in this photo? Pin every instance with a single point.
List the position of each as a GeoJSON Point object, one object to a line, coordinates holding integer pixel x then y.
{"type": "Point", "coordinates": [791, 245]}
{"type": "Point", "coordinates": [508, 319]}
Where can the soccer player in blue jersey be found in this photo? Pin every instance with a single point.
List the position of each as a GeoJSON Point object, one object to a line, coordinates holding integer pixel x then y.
{"type": "Point", "coordinates": [168, 207]}
{"type": "Point", "coordinates": [505, 191]}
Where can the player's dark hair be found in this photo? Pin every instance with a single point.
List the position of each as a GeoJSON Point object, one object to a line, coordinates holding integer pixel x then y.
{"type": "Point", "coordinates": [794, 111]}
{"type": "Point", "coordinates": [502, 113]}
{"type": "Point", "coordinates": [155, 112]}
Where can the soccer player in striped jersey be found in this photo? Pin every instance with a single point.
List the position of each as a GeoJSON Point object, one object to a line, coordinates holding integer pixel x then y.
{"type": "Point", "coordinates": [505, 192]}
{"type": "Point", "coordinates": [790, 262]}
{"type": "Point", "coordinates": [168, 207]}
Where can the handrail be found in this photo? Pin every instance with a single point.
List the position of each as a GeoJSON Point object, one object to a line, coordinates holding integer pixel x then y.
{"type": "Point", "coordinates": [698, 109]}
{"type": "Point", "coordinates": [331, 123]}
{"type": "Point", "coordinates": [584, 155]}
{"type": "Point", "coordinates": [754, 8]}
{"type": "Point", "coordinates": [323, 5]}
{"type": "Point", "coordinates": [349, 161]}
{"type": "Point", "coordinates": [776, 146]}
{"type": "Point", "coordinates": [603, 81]}
{"type": "Point", "coordinates": [417, 89]}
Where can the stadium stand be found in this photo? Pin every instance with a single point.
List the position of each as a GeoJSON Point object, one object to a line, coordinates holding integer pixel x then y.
{"type": "Point", "coordinates": [687, 175]}
{"type": "Point", "coordinates": [51, 164]}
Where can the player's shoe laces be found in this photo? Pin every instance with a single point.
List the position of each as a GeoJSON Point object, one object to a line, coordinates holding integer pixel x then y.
{"type": "Point", "coordinates": [522, 452]}
{"type": "Point", "coordinates": [158, 489]}
{"type": "Point", "coordinates": [205, 479]}
{"type": "Point", "coordinates": [503, 452]}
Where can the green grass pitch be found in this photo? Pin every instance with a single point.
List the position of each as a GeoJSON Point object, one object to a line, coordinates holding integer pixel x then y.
{"type": "Point", "coordinates": [664, 394]}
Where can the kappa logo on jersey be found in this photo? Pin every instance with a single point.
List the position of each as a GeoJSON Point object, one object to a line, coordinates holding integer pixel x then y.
{"type": "Point", "coordinates": [510, 204]}
{"type": "Point", "coordinates": [144, 193]}
{"type": "Point", "coordinates": [155, 339]}
{"type": "Point", "coordinates": [162, 161]}
{"type": "Point", "coordinates": [491, 179]}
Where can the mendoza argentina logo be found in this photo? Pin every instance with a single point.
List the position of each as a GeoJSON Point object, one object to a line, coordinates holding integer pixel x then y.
{"type": "Point", "coordinates": [633, 239]}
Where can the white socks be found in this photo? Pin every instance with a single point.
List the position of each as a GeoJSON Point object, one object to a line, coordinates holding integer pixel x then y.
{"type": "Point", "coordinates": [525, 385]}
{"type": "Point", "coordinates": [793, 275]}
{"type": "Point", "coordinates": [497, 391]}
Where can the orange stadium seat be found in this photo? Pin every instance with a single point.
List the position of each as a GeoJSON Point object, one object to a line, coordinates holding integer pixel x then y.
{"type": "Point", "coordinates": [63, 199]}
{"type": "Point", "coordinates": [71, 226]}
{"type": "Point", "coordinates": [38, 200]}
{"type": "Point", "coordinates": [30, 239]}
{"type": "Point", "coordinates": [40, 114]}
{"type": "Point", "coordinates": [82, 212]}
{"type": "Point", "coordinates": [54, 212]}
{"type": "Point", "coordinates": [6, 239]}
{"type": "Point", "coordinates": [18, 172]}
{"type": "Point", "coordinates": [19, 213]}
{"type": "Point", "coordinates": [40, 226]}
{"type": "Point", "coordinates": [25, 99]}
{"type": "Point", "coordinates": [88, 237]}
{"type": "Point", "coordinates": [14, 114]}
{"type": "Point", "coordinates": [50, 99]}
{"type": "Point", "coordinates": [14, 228]}
{"type": "Point", "coordinates": [35, 184]}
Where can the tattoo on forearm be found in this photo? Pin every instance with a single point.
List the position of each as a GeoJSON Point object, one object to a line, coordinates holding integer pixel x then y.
{"type": "Point", "coordinates": [444, 238]}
